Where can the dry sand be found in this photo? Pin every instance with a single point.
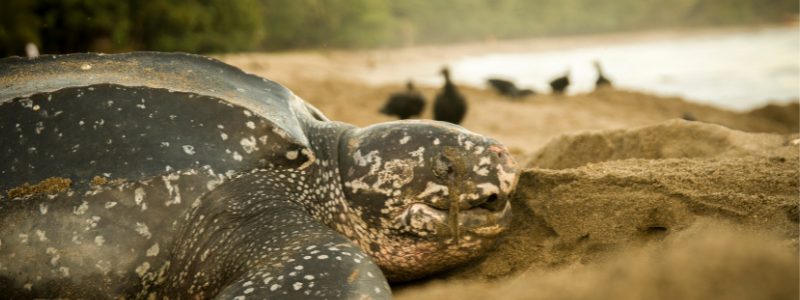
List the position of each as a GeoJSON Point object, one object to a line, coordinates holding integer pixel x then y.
{"type": "Point", "coordinates": [619, 200]}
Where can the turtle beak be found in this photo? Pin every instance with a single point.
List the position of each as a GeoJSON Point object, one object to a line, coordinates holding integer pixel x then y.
{"type": "Point", "coordinates": [482, 207]}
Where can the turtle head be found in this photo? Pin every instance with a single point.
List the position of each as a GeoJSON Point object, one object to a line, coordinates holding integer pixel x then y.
{"type": "Point", "coordinates": [431, 194]}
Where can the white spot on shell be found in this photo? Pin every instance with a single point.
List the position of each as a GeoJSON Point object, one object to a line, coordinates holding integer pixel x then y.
{"type": "Point", "coordinates": [237, 156]}
{"type": "Point", "coordinates": [153, 250]}
{"type": "Point", "coordinates": [189, 149]}
{"type": "Point", "coordinates": [103, 266]}
{"type": "Point", "coordinates": [250, 124]}
{"type": "Point", "coordinates": [81, 209]}
{"type": "Point", "coordinates": [54, 252]}
{"type": "Point", "coordinates": [41, 235]}
{"type": "Point", "coordinates": [405, 140]}
{"type": "Point", "coordinates": [86, 67]}
{"type": "Point", "coordinates": [39, 127]}
{"type": "Point", "coordinates": [138, 196]}
{"type": "Point", "coordinates": [99, 240]}
{"type": "Point", "coordinates": [143, 230]}
{"type": "Point", "coordinates": [249, 144]}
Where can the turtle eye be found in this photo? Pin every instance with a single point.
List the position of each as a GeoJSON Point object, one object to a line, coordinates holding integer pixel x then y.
{"type": "Point", "coordinates": [443, 167]}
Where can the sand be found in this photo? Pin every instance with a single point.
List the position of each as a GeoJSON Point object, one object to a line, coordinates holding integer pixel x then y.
{"type": "Point", "coordinates": [619, 198]}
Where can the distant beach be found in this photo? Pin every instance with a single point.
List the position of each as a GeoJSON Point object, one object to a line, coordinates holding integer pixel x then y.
{"type": "Point", "coordinates": [737, 68]}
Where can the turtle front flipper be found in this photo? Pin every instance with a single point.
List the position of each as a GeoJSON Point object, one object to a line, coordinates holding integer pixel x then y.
{"type": "Point", "coordinates": [264, 248]}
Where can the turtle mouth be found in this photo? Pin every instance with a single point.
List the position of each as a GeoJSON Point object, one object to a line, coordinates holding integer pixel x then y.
{"type": "Point", "coordinates": [483, 221]}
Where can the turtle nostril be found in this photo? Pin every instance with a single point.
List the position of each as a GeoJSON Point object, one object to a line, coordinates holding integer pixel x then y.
{"type": "Point", "coordinates": [498, 152]}
{"type": "Point", "coordinates": [492, 203]}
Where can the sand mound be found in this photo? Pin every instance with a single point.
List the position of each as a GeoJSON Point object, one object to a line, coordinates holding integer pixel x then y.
{"type": "Point", "coordinates": [672, 139]}
{"type": "Point", "coordinates": [609, 200]}
{"type": "Point", "coordinates": [706, 261]}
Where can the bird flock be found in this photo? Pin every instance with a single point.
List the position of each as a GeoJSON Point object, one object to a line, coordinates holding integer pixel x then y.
{"type": "Point", "coordinates": [451, 106]}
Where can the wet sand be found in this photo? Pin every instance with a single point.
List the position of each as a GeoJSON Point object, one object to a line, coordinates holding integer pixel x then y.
{"type": "Point", "coordinates": [619, 199]}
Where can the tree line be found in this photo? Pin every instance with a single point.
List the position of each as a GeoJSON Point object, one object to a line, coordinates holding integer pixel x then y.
{"type": "Point", "coordinates": [215, 26]}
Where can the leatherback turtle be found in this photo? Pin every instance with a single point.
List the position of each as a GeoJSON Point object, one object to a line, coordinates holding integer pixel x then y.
{"type": "Point", "coordinates": [156, 175]}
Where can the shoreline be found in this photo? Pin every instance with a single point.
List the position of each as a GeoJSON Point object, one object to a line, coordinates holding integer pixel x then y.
{"type": "Point", "coordinates": [379, 68]}
{"type": "Point", "coordinates": [361, 64]}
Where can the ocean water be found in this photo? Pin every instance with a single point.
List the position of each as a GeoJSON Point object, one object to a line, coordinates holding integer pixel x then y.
{"type": "Point", "coordinates": [736, 70]}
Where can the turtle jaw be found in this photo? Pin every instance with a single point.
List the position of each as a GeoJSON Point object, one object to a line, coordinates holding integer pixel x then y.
{"type": "Point", "coordinates": [428, 244]}
{"type": "Point", "coordinates": [485, 223]}
{"type": "Point", "coordinates": [451, 226]}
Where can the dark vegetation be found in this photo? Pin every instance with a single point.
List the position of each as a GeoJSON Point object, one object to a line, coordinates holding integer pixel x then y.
{"type": "Point", "coordinates": [59, 26]}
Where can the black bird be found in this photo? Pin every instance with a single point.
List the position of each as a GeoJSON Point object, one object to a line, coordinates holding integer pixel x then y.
{"type": "Point", "coordinates": [508, 88]}
{"type": "Point", "coordinates": [450, 105]}
{"type": "Point", "coordinates": [560, 84]}
{"type": "Point", "coordinates": [404, 104]}
{"type": "Point", "coordinates": [602, 80]}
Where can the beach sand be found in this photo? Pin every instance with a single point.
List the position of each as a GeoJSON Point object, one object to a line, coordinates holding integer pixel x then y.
{"type": "Point", "coordinates": [619, 198]}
